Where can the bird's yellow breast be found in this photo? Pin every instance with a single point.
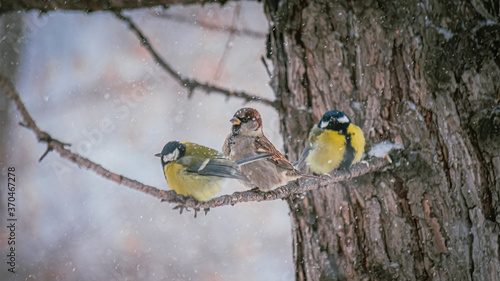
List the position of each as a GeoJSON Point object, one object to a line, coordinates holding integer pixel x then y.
{"type": "Point", "coordinates": [357, 142]}
{"type": "Point", "coordinates": [327, 151]}
{"type": "Point", "coordinates": [202, 188]}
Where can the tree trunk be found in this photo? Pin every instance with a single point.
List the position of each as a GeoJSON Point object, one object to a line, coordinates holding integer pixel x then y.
{"type": "Point", "coordinates": [425, 74]}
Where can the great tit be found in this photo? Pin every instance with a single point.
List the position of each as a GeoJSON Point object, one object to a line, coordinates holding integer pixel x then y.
{"type": "Point", "coordinates": [335, 143]}
{"type": "Point", "coordinates": [247, 139]}
{"type": "Point", "coordinates": [196, 170]}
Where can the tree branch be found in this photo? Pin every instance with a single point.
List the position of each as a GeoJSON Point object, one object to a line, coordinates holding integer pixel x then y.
{"type": "Point", "coordinates": [292, 188]}
{"type": "Point", "coordinates": [60, 147]}
{"type": "Point", "coordinates": [188, 83]}
{"type": "Point", "coordinates": [170, 196]}
{"type": "Point", "coordinates": [227, 46]}
{"type": "Point", "coordinates": [94, 5]}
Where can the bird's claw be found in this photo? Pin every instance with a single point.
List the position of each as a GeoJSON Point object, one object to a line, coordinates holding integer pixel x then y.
{"type": "Point", "coordinates": [272, 192]}
{"type": "Point", "coordinates": [326, 175]}
{"type": "Point", "coordinates": [181, 208]}
{"type": "Point", "coordinates": [196, 210]}
{"type": "Point", "coordinates": [366, 162]}
{"type": "Point", "coordinates": [256, 190]}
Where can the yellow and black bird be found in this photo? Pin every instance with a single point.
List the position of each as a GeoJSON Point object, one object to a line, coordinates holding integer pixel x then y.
{"type": "Point", "coordinates": [335, 143]}
{"type": "Point", "coordinates": [196, 170]}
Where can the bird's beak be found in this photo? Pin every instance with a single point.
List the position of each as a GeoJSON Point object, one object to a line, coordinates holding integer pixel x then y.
{"type": "Point", "coordinates": [323, 124]}
{"type": "Point", "coordinates": [235, 121]}
{"type": "Point", "coordinates": [158, 154]}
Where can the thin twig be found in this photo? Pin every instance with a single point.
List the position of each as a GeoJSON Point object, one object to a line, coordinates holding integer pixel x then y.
{"type": "Point", "coordinates": [228, 45]}
{"type": "Point", "coordinates": [60, 147]}
{"type": "Point", "coordinates": [269, 74]}
{"type": "Point", "coordinates": [189, 83]}
{"type": "Point", "coordinates": [170, 196]}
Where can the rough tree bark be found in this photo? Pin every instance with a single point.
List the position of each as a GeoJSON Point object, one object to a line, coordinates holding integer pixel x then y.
{"type": "Point", "coordinates": [424, 73]}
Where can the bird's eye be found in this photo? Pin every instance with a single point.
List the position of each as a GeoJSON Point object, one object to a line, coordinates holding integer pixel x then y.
{"type": "Point", "coordinates": [244, 119]}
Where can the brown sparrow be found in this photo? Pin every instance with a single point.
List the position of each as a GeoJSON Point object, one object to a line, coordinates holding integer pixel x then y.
{"type": "Point", "coordinates": [247, 139]}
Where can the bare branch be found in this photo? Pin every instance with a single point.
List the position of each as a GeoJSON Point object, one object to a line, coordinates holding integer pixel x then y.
{"type": "Point", "coordinates": [227, 48]}
{"type": "Point", "coordinates": [188, 83]}
{"type": "Point", "coordinates": [292, 188]}
{"type": "Point", "coordinates": [94, 5]}
{"type": "Point", "coordinates": [60, 147]}
{"type": "Point", "coordinates": [170, 196]}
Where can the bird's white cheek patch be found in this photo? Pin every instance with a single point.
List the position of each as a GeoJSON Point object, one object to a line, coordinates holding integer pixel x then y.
{"type": "Point", "coordinates": [343, 119]}
{"type": "Point", "coordinates": [171, 156]}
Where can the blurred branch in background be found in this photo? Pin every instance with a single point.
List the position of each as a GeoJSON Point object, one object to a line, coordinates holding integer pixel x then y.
{"type": "Point", "coordinates": [229, 43]}
{"type": "Point", "coordinates": [60, 147]}
{"type": "Point", "coordinates": [188, 83]}
{"type": "Point", "coordinates": [92, 6]}
{"type": "Point", "coordinates": [170, 196]}
{"type": "Point", "coordinates": [208, 25]}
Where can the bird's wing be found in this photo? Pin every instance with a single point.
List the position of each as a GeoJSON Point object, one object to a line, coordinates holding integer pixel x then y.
{"type": "Point", "coordinates": [313, 134]}
{"type": "Point", "coordinates": [253, 158]}
{"type": "Point", "coordinates": [263, 145]}
{"type": "Point", "coordinates": [217, 167]}
{"type": "Point", "coordinates": [302, 159]}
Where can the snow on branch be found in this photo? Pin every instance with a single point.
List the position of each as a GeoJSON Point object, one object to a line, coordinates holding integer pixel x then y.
{"type": "Point", "coordinates": [292, 188]}
{"type": "Point", "coordinates": [189, 83]}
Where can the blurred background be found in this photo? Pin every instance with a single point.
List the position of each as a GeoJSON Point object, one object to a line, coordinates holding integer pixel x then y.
{"type": "Point", "coordinates": [76, 72]}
